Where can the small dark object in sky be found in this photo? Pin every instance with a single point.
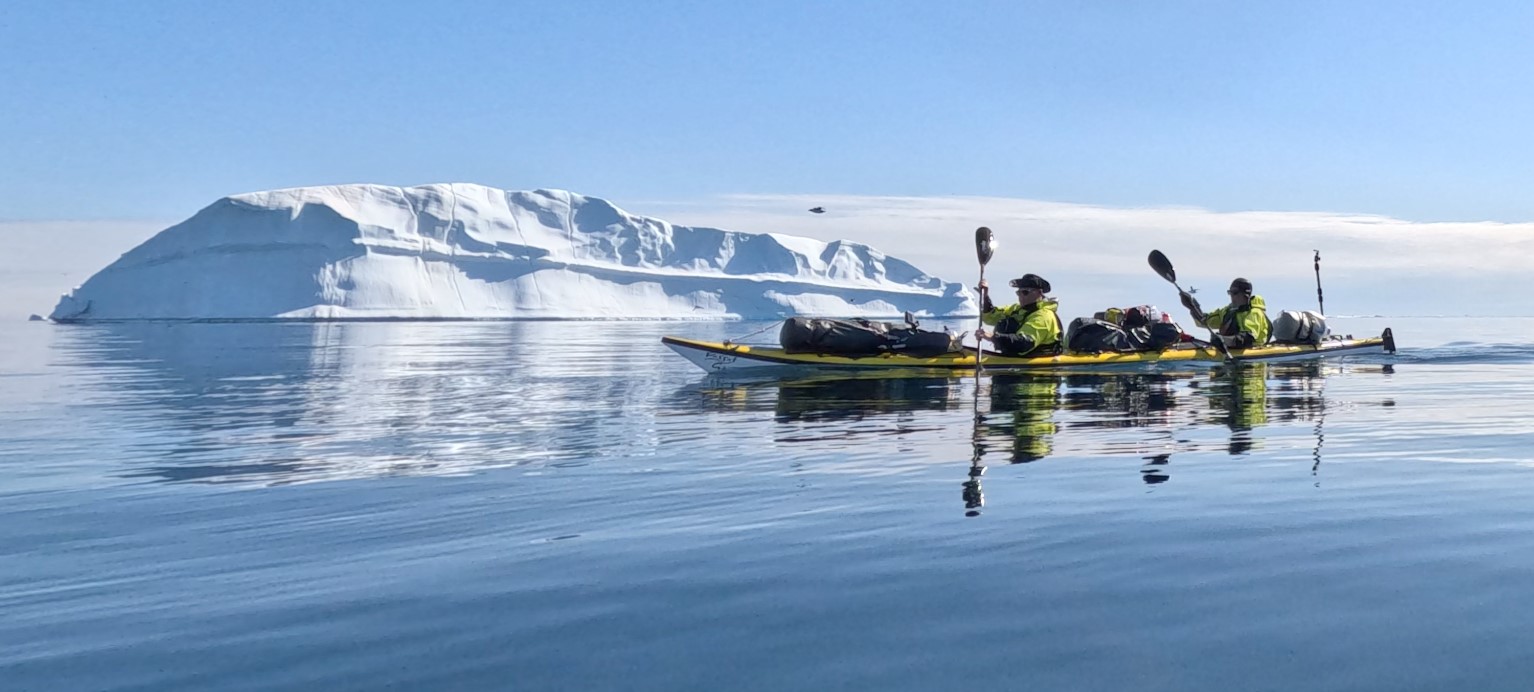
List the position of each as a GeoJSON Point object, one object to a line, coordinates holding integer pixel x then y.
{"type": "Point", "coordinates": [817, 210]}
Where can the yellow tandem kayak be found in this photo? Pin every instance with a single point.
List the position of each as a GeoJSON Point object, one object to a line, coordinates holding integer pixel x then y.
{"type": "Point", "coordinates": [727, 357]}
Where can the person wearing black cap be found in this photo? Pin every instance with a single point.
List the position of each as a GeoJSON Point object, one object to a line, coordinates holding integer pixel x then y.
{"type": "Point", "coordinates": [1030, 328]}
{"type": "Point", "coordinates": [1242, 324]}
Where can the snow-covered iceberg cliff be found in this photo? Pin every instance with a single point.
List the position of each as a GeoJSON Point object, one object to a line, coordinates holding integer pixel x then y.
{"type": "Point", "coordinates": [460, 251]}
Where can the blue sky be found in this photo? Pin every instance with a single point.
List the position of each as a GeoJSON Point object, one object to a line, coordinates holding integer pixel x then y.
{"type": "Point", "coordinates": [1416, 110]}
{"type": "Point", "coordinates": [148, 111]}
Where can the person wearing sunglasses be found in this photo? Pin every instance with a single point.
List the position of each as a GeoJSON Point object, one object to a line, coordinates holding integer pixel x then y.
{"type": "Point", "coordinates": [1029, 328]}
{"type": "Point", "coordinates": [1241, 324]}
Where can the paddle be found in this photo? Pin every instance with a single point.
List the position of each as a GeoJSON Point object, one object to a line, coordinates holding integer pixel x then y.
{"type": "Point", "coordinates": [1163, 266]}
{"type": "Point", "coordinates": [985, 246]}
{"type": "Point", "coordinates": [974, 495]}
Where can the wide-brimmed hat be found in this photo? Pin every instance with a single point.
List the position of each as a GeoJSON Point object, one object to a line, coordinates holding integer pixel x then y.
{"type": "Point", "coordinates": [1031, 281]}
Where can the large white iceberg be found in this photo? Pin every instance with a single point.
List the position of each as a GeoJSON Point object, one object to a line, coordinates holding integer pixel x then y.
{"type": "Point", "coordinates": [461, 251]}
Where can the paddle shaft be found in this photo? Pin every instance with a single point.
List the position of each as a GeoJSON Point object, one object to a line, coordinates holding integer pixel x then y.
{"type": "Point", "coordinates": [1200, 317]}
{"type": "Point", "coordinates": [1163, 267]}
{"type": "Point", "coordinates": [1219, 344]}
{"type": "Point", "coordinates": [980, 325]}
{"type": "Point", "coordinates": [974, 496]}
{"type": "Point", "coordinates": [984, 247]}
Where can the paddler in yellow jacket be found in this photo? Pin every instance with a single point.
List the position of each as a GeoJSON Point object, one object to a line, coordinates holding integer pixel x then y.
{"type": "Point", "coordinates": [1030, 328]}
{"type": "Point", "coordinates": [1241, 324]}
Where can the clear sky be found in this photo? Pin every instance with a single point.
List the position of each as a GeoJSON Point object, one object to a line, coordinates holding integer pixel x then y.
{"type": "Point", "coordinates": [147, 111]}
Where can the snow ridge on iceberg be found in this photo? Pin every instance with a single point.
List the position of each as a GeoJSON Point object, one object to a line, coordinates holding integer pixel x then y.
{"type": "Point", "coordinates": [462, 251]}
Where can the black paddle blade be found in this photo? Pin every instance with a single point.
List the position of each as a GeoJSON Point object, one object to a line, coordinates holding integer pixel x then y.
{"type": "Point", "coordinates": [985, 245]}
{"type": "Point", "coordinates": [1162, 265]}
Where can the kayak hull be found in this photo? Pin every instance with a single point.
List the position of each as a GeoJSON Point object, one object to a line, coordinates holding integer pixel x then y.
{"type": "Point", "coordinates": [717, 357]}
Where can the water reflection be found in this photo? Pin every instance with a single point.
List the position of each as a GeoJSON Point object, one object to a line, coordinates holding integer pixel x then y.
{"type": "Point", "coordinates": [275, 403]}
{"type": "Point", "coordinates": [811, 400]}
{"type": "Point", "coordinates": [1022, 410]}
{"type": "Point", "coordinates": [1250, 396]}
{"type": "Point", "coordinates": [284, 403]}
{"type": "Point", "coordinates": [1019, 418]}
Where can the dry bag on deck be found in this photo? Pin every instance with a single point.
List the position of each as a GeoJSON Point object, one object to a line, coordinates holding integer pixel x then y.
{"type": "Point", "coordinates": [923, 343]}
{"type": "Point", "coordinates": [1088, 335]}
{"type": "Point", "coordinates": [1299, 327]}
{"type": "Point", "coordinates": [1137, 316]}
{"type": "Point", "coordinates": [861, 338]}
{"type": "Point", "coordinates": [1164, 335]}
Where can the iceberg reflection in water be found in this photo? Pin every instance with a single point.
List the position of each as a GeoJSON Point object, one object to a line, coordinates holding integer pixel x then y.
{"type": "Point", "coordinates": [284, 403]}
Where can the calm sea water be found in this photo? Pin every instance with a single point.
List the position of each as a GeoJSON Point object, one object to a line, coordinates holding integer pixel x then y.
{"type": "Point", "coordinates": [569, 506]}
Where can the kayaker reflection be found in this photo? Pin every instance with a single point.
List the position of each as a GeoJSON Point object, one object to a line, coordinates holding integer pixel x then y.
{"type": "Point", "coordinates": [1029, 328]}
{"type": "Point", "coordinates": [1241, 324]}
{"type": "Point", "coordinates": [1031, 403]}
{"type": "Point", "coordinates": [1241, 399]}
